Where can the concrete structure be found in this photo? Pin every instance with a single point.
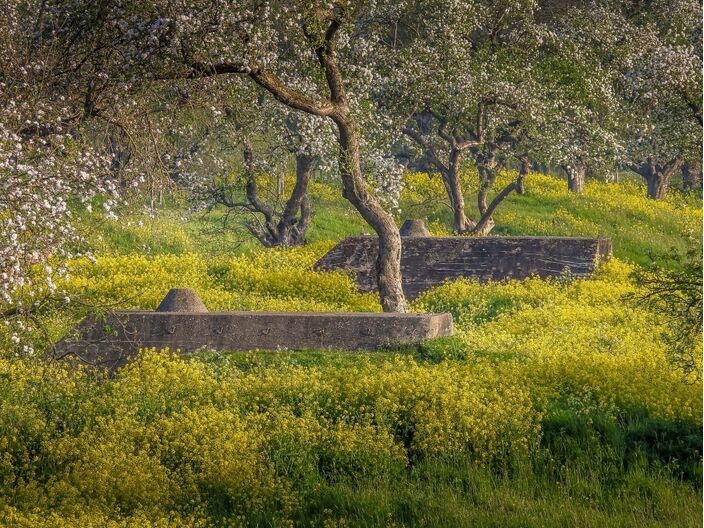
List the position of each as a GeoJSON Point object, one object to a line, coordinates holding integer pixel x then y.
{"type": "Point", "coordinates": [414, 228]}
{"type": "Point", "coordinates": [112, 340]}
{"type": "Point", "coordinates": [182, 300]}
{"type": "Point", "coordinates": [427, 262]}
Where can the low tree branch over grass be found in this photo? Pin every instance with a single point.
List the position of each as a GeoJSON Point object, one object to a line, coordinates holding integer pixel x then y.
{"type": "Point", "coordinates": [674, 289]}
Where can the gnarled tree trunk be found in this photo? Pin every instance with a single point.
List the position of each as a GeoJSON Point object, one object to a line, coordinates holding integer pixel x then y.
{"type": "Point", "coordinates": [355, 190]}
{"type": "Point", "coordinates": [485, 223]}
{"type": "Point", "coordinates": [658, 184]}
{"type": "Point", "coordinates": [296, 216]}
{"type": "Point", "coordinates": [488, 167]}
{"type": "Point", "coordinates": [453, 186]}
{"type": "Point", "coordinates": [450, 177]}
{"type": "Point", "coordinates": [354, 186]}
{"type": "Point", "coordinates": [292, 225]}
{"type": "Point", "coordinates": [657, 177]}
{"type": "Point", "coordinates": [576, 175]}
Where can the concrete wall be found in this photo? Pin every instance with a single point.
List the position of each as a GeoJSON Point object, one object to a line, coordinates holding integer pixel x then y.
{"type": "Point", "coordinates": [428, 261]}
{"type": "Point", "coordinates": [112, 341]}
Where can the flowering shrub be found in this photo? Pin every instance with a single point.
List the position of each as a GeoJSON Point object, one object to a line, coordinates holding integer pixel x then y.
{"type": "Point", "coordinates": [271, 280]}
{"type": "Point", "coordinates": [268, 280]}
{"type": "Point", "coordinates": [169, 436]}
{"type": "Point", "coordinates": [184, 441]}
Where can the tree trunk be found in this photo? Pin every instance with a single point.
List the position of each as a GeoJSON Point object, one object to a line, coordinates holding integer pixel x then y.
{"type": "Point", "coordinates": [450, 177]}
{"type": "Point", "coordinates": [488, 168]}
{"type": "Point", "coordinates": [691, 176]}
{"type": "Point", "coordinates": [576, 175]}
{"type": "Point", "coordinates": [658, 185]}
{"type": "Point", "coordinates": [292, 226]}
{"type": "Point", "coordinates": [292, 229]}
{"type": "Point", "coordinates": [657, 182]}
{"type": "Point", "coordinates": [353, 184]}
{"type": "Point", "coordinates": [280, 184]}
{"type": "Point", "coordinates": [657, 177]}
{"type": "Point", "coordinates": [482, 228]}
{"type": "Point", "coordinates": [355, 190]}
{"type": "Point", "coordinates": [453, 186]}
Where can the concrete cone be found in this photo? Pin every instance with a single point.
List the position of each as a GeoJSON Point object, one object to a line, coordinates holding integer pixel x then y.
{"type": "Point", "coordinates": [181, 300]}
{"type": "Point", "coordinates": [414, 228]}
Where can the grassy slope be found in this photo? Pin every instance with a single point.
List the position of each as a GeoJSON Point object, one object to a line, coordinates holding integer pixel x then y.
{"type": "Point", "coordinates": [172, 230]}
{"type": "Point", "coordinates": [590, 481]}
{"type": "Point", "coordinates": [638, 227]}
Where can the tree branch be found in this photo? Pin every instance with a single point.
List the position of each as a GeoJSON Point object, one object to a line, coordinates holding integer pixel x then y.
{"type": "Point", "coordinates": [513, 186]}
{"type": "Point", "coordinates": [429, 150]}
{"type": "Point", "coordinates": [274, 85]}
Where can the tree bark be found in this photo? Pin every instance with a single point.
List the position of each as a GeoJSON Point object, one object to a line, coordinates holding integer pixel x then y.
{"type": "Point", "coordinates": [280, 184]}
{"type": "Point", "coordinates": [292, 228]}
{"type": "Point", "coordinates": [453, 185]}
{"type": "Point", "coordinates": [355, 190]}
{"type": "Point", "coordinates": [488, 168]}
{"type": "Point", "coordinates": [657, 177]}
{"type": "Point", "coordinates": [576, 175]}
{"type": "Point", "coordinates": [658, 185]}
{"type": "Point", "coordinates": [460, 223]}
{"type": "Point", "coordinates": [450, 178]}
{"type": "Point", "coordinates": [692, 176]}
{"type": "Point", "coordinates": [293, 222]}
{"type": "Point", "coordinates": [485, 223]}
{"type": "Point", "coordinates": [354, 186]}
{"type": "Point", "coordinates": [388, 264]}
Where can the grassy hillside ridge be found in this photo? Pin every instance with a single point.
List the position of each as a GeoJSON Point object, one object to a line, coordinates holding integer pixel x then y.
{"type": "Point", "coordinates": [638, 226]}
{"type": "Point", "coordinates": [555, 404]}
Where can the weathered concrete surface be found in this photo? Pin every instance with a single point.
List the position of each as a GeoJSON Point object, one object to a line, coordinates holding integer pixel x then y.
{"type": "Point", "coordinates": [111, 342]}
{"type": "Point", "coordinates": [414, 228]}
{"type": "Point", "coordinates": [427, 262]}
{"type": "Point", "coordinates": [181, 300]}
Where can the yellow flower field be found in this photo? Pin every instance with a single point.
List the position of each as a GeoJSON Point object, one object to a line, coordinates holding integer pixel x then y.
{"type": "Point", "coordinates": [551, 390]}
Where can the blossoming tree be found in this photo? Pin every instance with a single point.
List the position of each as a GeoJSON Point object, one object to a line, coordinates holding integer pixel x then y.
{"type": "Point", "coordinates": [654, 52]}
{"type": "Point", "coordinates": [236, 156]}
{"type": "Point", "coordinates": [313, 57]}
{"type": "Point", "coordinates": [488, 97]}
{"type": "Point", "coordinates": [47, 154]}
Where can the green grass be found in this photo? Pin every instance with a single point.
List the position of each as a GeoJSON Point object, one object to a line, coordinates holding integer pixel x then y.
{"type": "Point", "coordinates": [592, 468]}
{"type": "Point", "coordinates": [640, 229]}
{"type": "Point", "coordinates": [248, 361]}
{"type": "Point", "coordinates": [172, 229]}
{"type": "Point", "coordinates": [453, 493]}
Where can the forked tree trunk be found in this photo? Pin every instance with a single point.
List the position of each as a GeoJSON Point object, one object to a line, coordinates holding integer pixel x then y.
{"type": "Point", "coordinates": [296, 216]}
{"type": "Point", "coordinates": [576, 175]}
{"type": "Point", "coordinates": [355, 190]}
{"type": "Point", "coordinates": [488, 168]}
{"type": "Point", "coordinates": [657, 177]}
{"type": "Point", "coordinates": [450, 178]}
{"type": "Point", "coordinates": [485, 223]}
{"type": "Point", "coordinates": [293, 222]}
{"type": "Point", "coordinates": [453, 186]}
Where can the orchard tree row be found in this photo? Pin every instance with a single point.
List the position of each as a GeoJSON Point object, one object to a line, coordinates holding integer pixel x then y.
{"type": "Point", "coordinates": [100, 96]}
